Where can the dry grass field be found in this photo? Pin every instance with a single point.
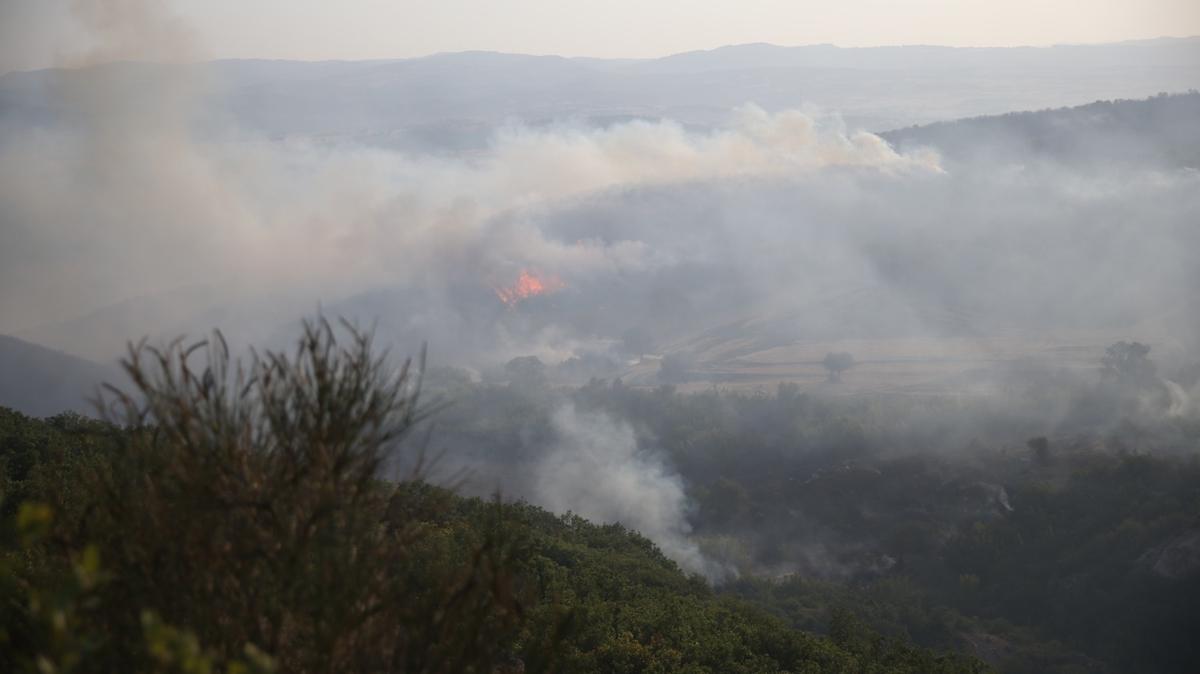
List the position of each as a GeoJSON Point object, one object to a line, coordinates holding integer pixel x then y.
{"type": "Point", "coordinates": [925, 365]}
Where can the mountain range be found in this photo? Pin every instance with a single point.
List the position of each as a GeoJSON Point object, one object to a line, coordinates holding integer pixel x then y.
{"type": "Point", "coordinates": [452, 101]}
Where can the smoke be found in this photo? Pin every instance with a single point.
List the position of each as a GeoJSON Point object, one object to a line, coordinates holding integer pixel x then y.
{"type": "Point", "coordinates": [157, 210]}
{"type": "Point", "coordinates": [130, 30]}
{"type": "Point", "coordinates": [116, 194]}
{"type": "Point", "coordinates": [138, 191]}
{"type": "Point", "coordinates": [597, 470]}
{"type": "Point", "coordinates": [1182, 403]}
{"type": "Point", "coordinates": [129, 199]}
{"type": "Point", "coordinates": [141, 207]}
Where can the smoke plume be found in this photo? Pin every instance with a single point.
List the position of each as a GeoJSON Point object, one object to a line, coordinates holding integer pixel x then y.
{"type": "Point", "coordinates": [596, 470]}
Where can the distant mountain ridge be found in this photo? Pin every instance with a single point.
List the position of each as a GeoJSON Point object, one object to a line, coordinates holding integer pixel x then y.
{"type": "Point", "coordinates": [40, 382]}
{"type": "Point", "coordinates": [451, 101]}
{"type": "Point", "coordinates": [1163, 131]}
{"type": "Point", "coordinates": [1166, 51]}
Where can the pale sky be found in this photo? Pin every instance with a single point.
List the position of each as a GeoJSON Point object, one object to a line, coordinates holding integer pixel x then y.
{"type": "Point", "coordinates": [37, 33]}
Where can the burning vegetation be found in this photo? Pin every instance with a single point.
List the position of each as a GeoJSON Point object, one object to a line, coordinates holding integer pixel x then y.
{"type": "Point", "coordinates": [529, 284]}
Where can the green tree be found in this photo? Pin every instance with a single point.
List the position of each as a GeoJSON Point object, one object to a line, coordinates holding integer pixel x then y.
{"type": "Point", "coordinates": [837, 363]}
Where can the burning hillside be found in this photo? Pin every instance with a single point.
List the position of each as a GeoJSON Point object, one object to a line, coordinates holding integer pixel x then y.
{"type": "Point", "coordinates": [528, 284]}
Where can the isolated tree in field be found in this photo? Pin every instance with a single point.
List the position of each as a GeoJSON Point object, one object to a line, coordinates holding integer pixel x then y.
{"type": "Point", "coordinates": [837, 363]}
{"type": "Point", "coordinates": [525, 371]}
{"type": "Point", "coordinates": [1129, 379]}
{"type": "Point", "coordinates": [1128, 363]}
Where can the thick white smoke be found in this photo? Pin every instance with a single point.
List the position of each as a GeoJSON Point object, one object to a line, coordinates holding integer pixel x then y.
{"type": "Point", "coordinates": [126, 197]}
{"type": "Point", "coordinates": [1182, 402]}
{"type": "Point", "coordinates": [131, 201]}
{"type": "Point", "coordinates": [598, 471]}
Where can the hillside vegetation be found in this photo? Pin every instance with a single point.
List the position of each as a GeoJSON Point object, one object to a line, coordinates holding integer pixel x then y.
{"type": "Point", "coordinates": [1054, 529]}
{"type": "Point", "coordinates": [43, 382]}
{"type": "Point", "coordinates": [1158, 132]}
{"type": "Point", "coordinates": [229, 519]}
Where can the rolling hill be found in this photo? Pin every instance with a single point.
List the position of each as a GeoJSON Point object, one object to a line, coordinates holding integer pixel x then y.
{"type": "Point", "coordinates": [41, 382]}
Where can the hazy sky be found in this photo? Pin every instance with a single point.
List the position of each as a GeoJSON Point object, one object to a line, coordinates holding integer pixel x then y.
{"type": "Point", "coordinates": [38, 33]}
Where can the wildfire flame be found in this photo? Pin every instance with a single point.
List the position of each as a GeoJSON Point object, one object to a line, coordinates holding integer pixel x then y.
{"type": "Point", "coordinates": [528, 284]}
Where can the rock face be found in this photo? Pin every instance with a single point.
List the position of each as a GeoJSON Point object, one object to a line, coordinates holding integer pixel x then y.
{"type": "Point", "coordinates": [1178, 559]}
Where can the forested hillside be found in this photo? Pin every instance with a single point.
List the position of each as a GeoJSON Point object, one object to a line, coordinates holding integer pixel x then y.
{"type": "Point", "coordinates": [1054, 529]}
{"type": "Point", "coordinates": [247, 529]}
{"type": "Point", "coordinates": [848, 534]}
{"type": "Point", "coordinates": [1158, 132]}
{"type": "Point", "coordinates": [42, 382]}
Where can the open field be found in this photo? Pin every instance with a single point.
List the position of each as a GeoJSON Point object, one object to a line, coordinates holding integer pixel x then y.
{"type": "Point", "coordinates": [930, 365]}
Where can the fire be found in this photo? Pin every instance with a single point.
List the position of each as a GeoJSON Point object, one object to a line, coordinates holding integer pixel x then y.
{"type": "Point", "coordinates": [528, 284]}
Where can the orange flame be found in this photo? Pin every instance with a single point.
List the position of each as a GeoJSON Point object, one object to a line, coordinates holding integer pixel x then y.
{"type": "Point", "coordinates": [528, 284]}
